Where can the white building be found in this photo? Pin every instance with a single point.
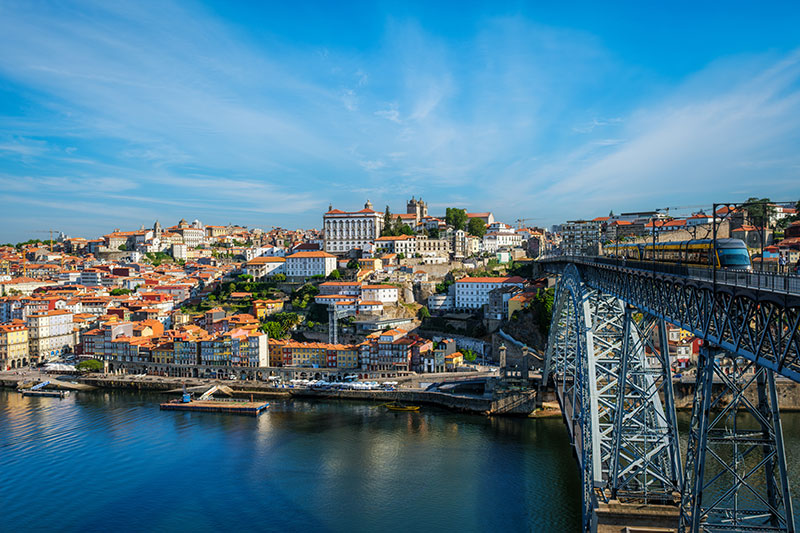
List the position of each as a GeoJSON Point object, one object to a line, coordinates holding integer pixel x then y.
{"type": "Point", "coordinates": [50, 334]}
{"type": "Point", "coordinates": [92, 278]}
{"type": "Point", "coordinates": [400, 244]}
{"type": "Point", "coordinates": [580, 237]}
{"type": "Point", "coordinates": [307, 264]}
{"type": "Point", "coordinates": [473, 293]}
{"type": "Point", "coordinates": [346, 230]}
{"type": "Point", "coordinates": [261, 267]}
{"type": "Point", "coordinates": [441, 302]}
{"type": "Point", "coordinates": [379, 293]}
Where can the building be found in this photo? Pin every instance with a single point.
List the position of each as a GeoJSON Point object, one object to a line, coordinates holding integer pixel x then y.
{"type": "Point", "coordinates": [400, 244]}
{"type": "Point", "coordinates": [473, 293]}
{"type": "Point", "coordinates": [379, 293]}
{"type": "Point", "coordinates": [488, 218]}
{"type": "Point", "coordinates": [315, 354]}
{"type": "Point", "coordinates": [418, 208]}
{"type": "Point", "coordinates": [265, 308]}
{"type": "Point", "coordinates": [265, 266]}
{"type": "Point", "coordinates": [498, 304]}
{"type": "Point", "coordinates": [433, 247]}
{"type": "Point", "coordinates": [13, 345]}
{"type": "Point", "coordinates": [50, 335]}
{"type": "Point", "coordinates": [303, 265]}
{"type": "Point", "coordinates": [348, 230]}
{"type": "Point", "coordinates": [581, 237]}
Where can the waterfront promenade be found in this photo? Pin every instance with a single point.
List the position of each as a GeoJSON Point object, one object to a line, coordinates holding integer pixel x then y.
{"type": "Point", "coordinates": [521, 403]}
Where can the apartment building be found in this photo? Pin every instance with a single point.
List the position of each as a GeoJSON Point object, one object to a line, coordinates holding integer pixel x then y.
{"type": "Point", "coordinates": [473, 293]}
{"type": "Point", "coordinates": [265, 266]}
{"type": "Point", "coordinates": [303, 265]}
{"type": "Point", "coordinates": [13, 345]}
{"type": "Point", "coordinates": [581, 237]}
{"type": "Point", "coordinates": [50, 335]}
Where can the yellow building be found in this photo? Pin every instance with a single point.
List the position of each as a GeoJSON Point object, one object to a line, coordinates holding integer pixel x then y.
{"type": "Point", "coordinates": [453, 361]}
{"type": "Point", "coordinates": [13, 345]}
{"type": "Point", "coordinates": [520, 301]}
{"type": "Point", "coordinates": [164, 353]}
{"type": "Point", "coordinates": [264, 308]}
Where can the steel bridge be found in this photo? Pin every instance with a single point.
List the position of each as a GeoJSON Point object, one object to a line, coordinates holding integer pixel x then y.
{"type": "Point", "coordinates": [609, 363]}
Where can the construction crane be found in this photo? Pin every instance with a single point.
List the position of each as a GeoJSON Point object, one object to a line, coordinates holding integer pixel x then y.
{"type": "Point", "coordinates": [522, 221]}
{"type": "Point", "coordinates": [50, 231]}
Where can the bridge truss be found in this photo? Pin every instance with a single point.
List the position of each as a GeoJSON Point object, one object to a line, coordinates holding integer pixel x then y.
{"type": "Point", "coordinates": [608, 360]}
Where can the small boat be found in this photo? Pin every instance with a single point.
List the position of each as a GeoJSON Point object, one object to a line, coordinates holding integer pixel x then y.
{"type": "Point", "coordinates": [396, 406]}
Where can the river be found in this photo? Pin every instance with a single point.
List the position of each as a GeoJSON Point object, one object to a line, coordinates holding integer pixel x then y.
{"type": "Point", "coordinates": [105, 461]}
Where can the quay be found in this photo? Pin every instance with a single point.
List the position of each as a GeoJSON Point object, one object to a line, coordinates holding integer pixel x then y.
{"type": "Point", "coordinates": [216, 406]}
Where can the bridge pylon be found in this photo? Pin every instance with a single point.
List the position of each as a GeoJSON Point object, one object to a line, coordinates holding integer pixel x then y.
{"type": "Point", "coordinates": [736, 477]}
{"type": "Point", "coordinates": [609, 378]}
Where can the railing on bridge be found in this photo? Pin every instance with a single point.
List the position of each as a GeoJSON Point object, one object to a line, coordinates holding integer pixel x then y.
{"type": "Point", "coordinates": [767, 281]}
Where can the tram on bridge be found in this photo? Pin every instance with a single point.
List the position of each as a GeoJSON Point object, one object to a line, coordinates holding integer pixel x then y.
{"type": "Point", "coordinates": [730, 253]}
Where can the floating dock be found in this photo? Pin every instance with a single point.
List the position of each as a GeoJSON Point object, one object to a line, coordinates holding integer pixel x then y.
{"type": "Point", "coordinates": [214, 406]}
{"type": "Point", "coordinates": [48, 393]}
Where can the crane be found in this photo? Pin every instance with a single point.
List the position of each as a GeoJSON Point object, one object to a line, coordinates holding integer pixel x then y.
{"type": "Point", "coordinates": [50, 231]}
{"type": "Point", "coordinates": [521, 221]}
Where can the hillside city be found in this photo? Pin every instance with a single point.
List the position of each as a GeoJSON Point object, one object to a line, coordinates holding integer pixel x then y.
{"type": "Point", "coordinates": [374, 294]}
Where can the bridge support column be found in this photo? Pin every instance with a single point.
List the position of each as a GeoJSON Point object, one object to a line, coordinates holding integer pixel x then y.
{"type": "Point", "coordinates": [735, 476]}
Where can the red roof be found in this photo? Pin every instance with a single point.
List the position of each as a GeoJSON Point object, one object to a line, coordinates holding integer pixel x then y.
{"type": "Point", "coordinates": [299, 255]}
{"type": "Point", "coordinates": [512, 279]}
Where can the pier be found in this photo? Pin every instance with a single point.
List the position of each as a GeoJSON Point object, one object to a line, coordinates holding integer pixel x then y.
{"type": "Point", "coordinates": [217, 406]}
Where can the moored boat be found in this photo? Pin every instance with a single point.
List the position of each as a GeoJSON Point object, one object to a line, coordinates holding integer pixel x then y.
{"type": "Point", "coordinates": [396, 406]}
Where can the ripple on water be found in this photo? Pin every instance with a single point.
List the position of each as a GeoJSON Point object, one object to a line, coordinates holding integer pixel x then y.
{"type": "Point", "coordinates": [325, 466]}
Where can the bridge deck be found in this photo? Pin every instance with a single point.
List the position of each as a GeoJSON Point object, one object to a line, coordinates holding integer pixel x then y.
{"type": "Point", "coordinates": [760, 281]}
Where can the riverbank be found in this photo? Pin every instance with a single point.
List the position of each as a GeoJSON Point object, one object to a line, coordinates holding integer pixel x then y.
{"type": "Point", "coordinates": [521, 403]}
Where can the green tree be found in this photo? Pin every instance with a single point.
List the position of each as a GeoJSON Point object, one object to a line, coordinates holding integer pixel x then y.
{"type": "Point", "coordinates": [273, 329]}
{"type": "Point", "coordinates": [456, 217]}
{"type": "Point", "coordinates": [335, 274]}
{"type": "Point", "coordinates": [477, 227]}
{"type": "Point", "coordinates": [279, 277]}
{"type": "Point", "coordinates": [401, 255]}
{"type": "Point", "coordinates": [120, 292]}
{"type": "Point", "coordinates": [405, 229]}
{"type": "Point", "coordinates": [543, 306]}
{"type": "Point", "coordinates": [423, 313]}
{"type": "Point", "coordinates": [387, 220]}
{"type": "Point", "coordinates": [122, 248]}
{"type": "Point", "coordinates": [352, 264]}
{"type": "Point", "coordinates": [469, 355]}
{"type": "Point", "coordinates": [433, 233]}
{"type": "Point", "coordinates": [91, 365]}
{"type": "Point", "coordinates": [759, 211]}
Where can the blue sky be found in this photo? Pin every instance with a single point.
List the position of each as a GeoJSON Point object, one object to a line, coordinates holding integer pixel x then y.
{"type": "Point", "coordinates": [115, 114]}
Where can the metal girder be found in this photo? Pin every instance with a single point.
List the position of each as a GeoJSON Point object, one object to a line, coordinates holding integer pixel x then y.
{"type": "Point", "coordinates": [646, 454]}
{"type": "Point", "coordinates": [609, 391]}
{"type": "Point", "coordinates": [567, 365]}
{"type": "Point", "coordinates": [735, 477]}
{"type": "Point", "coordinates": [760, 326]}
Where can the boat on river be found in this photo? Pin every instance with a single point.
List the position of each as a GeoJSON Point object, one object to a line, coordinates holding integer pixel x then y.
{"type": "Point", "coordinates": [397, 406]}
